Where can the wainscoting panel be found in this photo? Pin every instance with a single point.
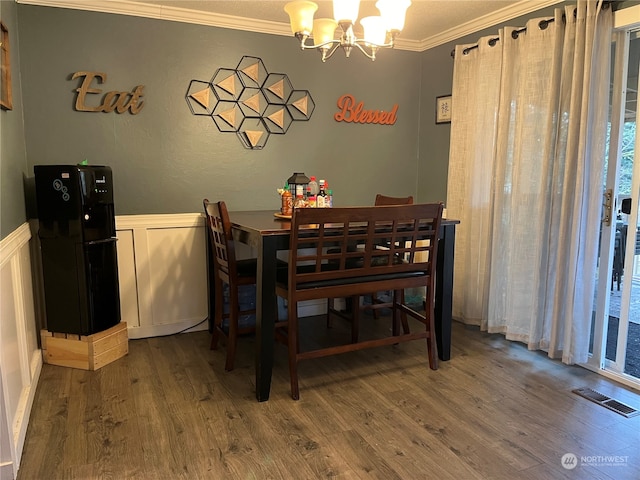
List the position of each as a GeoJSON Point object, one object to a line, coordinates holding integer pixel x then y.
{"type": "Point", "coordinates": [20, 357]}
{"type": "Point", "coordinates": [163, 274]}
{"type": "Point", "coordinates": [127, 279]}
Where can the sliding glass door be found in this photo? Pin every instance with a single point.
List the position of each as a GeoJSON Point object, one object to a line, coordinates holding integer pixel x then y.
{"type": "Point", "coordinates": [615, 338]}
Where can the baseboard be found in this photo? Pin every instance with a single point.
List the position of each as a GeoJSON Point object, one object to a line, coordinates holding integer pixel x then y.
{"type": "Point", "coordinates": [168, 329]}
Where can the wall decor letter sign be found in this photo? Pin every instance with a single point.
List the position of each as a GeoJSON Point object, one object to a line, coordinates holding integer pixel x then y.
{"type": "Point", "coordinates": [353, 112]}
{"type": "Point", "coordinates": [118, 101]}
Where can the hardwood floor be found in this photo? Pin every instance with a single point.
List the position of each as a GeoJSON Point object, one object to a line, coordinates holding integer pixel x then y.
{"type": "Point", "coordinates": [168, 410]}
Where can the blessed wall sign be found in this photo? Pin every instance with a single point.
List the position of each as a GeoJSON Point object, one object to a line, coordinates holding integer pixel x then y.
{"type": "Point", "coordinates": [352, 111]}
{"type": "Point", "coordinates": [115, 100]}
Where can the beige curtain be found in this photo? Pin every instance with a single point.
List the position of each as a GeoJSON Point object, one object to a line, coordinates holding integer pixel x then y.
{"type": "Point", "coordinates": [525, 177]}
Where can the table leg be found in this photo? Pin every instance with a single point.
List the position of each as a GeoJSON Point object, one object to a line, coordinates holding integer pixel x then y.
{"type": "Point", "coordinates": [444, 291]}
{"type": "Point", "coordinates": [266, 312]}
{"type": "Point", "coordinates": [211, 272]}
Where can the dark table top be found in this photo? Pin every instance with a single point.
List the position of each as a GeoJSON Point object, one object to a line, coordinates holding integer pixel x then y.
{"type": "Point", "coordinates": [265, 222]}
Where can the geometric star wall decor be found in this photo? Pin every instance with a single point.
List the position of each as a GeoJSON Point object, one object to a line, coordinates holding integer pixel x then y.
{"type": "Point", "coordinates": [250, 102]}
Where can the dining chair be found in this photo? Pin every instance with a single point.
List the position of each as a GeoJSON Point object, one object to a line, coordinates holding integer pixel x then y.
{"type": "Point", "coordinates": [385, 200]}
{"type": "Point", "coordinates": [376, 303]}
{"type": "Point", "coordinates": [232, 273]}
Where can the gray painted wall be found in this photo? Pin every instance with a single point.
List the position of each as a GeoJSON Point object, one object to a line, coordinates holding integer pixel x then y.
{"type": "Point", "coordinates": [165, 160]}
{"type": "Point", "coordinates": [436, 81]}
{"type": "Point", "coordinates": [13, 159]}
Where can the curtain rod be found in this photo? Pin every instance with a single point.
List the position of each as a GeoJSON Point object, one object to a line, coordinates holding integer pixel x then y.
{"type": "Point", "coordinates": [543, 24]}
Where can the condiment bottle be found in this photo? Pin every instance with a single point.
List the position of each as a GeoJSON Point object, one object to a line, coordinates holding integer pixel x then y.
{"type": "Point", "coordinates": [321, 199]}
{"type": "Point", "coordinates": [328, 201]}
{"type": "Point", "coordinates": [287, 202]}
{"type": "Point", "coordinates": [310, 197]}
{"type": "Point", "coordinates": [312, 201]}
{"type": "Point", "coordinates": [313, 184]}
{"type": "Point", "coordinates": [299, 202]}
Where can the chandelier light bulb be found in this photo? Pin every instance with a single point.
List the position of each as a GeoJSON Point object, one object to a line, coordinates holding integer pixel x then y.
{"type": "Point", "coordinates": [323, 31]}
{"type": "Point", "coordinates": [375, 32]}
{"type": "Point", "coordinates": [393, 12]}
{"type": "Point", "coordinates": [301, 16]}
{"type": "Point", "coordinates": [346, 10]}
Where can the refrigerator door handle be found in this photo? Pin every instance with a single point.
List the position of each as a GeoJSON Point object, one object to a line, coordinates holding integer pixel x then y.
{"type": "Point", "coordinates": [103, 240]}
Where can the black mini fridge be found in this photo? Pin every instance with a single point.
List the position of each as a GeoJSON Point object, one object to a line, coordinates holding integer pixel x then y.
{"type": "Point", "coordinates": [77, 235]}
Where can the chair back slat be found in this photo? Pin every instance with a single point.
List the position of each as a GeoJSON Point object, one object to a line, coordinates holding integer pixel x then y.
{"type": "Point", "coordinates": [220, 237]}
{"type": "Point", "coordinates": [231, 316]}
{"type": "Point", "coordinates": [346, 243]}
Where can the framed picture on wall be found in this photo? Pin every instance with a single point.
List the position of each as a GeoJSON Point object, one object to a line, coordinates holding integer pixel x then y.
{"type": "Point", "coordinates": [443, 109]}
{"type": "Point", "coordinates": [5, 69]}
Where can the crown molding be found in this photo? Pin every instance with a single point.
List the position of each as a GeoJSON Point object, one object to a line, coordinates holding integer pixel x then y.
{"type": "Point", "coordinates": [511, 11]}
{"type": "Point", "coordinates": [176, 14]}
{"type": "Point", "coordinates": [160, 12]}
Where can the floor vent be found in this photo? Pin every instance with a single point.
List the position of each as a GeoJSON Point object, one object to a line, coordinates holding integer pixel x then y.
{"type": "Point", "coordinates": [607, 402]}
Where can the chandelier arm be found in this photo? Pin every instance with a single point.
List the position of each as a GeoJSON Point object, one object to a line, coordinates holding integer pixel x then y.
{"type": "Point", "coordinates": [347, 41]}
{"type": "Point", "coordinates": [328, 52]}
{"type": "Point", "coordinates": [371, 55]}
{"type": "Point", "coordinates": [304, 46]}
{"type": "Point", "coordinates": [362, 41]}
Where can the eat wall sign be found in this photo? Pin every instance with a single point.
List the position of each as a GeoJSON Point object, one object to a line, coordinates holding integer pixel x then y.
{"type": "Point", "coordinates": [352, 111]}
{"type": "Point", "coordinates": [108, 102]}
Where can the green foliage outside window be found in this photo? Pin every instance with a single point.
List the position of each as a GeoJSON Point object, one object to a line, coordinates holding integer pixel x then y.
{"type": "Point", "coordinates": [626, 163]}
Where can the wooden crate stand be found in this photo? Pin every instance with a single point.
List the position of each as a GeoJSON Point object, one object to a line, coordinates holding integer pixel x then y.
{"type": "Point", "coordinates": [89, 352]}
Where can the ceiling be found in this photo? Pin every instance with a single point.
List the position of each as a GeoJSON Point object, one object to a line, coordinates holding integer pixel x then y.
{"type": "Point", "coordinates": [429, 22]}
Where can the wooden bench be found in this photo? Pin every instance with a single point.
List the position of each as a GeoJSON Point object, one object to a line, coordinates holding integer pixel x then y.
{"type": "Point", "coordinates": [361, 250]}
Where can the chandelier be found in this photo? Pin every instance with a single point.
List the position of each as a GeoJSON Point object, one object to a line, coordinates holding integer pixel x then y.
{"type": "Point", "coordinates": [379, 31]}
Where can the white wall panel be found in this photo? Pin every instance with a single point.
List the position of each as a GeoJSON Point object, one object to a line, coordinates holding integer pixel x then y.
{"type": "Point", "coordinates": [9, 348]}
{"type": "Point", "coordinates": [127, 279]}
{"type": "Point", "coordinates": [163, 273]}
{"type": "Point", "coordinates": [20, 357]}
{"type": "Point", "coordinates": [178, 274]}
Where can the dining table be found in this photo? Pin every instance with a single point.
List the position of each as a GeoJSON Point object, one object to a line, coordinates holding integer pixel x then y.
{"type": "Point", "coordinates": [268, 233]}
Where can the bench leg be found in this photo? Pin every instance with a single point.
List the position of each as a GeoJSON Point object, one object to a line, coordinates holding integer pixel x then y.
{"type": "Point", "coordinates": [432, 343]}
{"type": "Point", "coordinates": [355, 319]}
{"type": "Point", "coordinates": [403, 314]}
